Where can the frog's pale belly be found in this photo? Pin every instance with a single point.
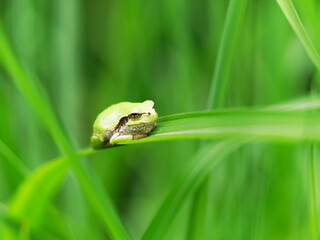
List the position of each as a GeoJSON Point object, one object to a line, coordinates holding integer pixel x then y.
{"type": "Point", "coordinates": [143, 128]}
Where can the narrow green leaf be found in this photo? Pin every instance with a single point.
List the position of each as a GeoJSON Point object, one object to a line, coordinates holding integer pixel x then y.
{"type": "Point", "coordinates": [262, 124]}
{"type": "Point", "coordinates": [231, 30]}
{"type": "Point", "coordinates": [26, 191]}
{"type": "Point", "coordinates": [300, 104]}
{"type": "Point", "coordinates": [13, 160]}
{"type": "Point", "coordinates": [35, 192]}
{"type": "Point", "coordinates": [33, 92]}
{"type": "Point", "coordinates": [200, 166]}
{"type": "Point", "coordinates": [313, 195]}
{"type": "Point", "coordinates": [292, 16]}
{"type": "Point", "coordinates": [38, 189]}
{"type": "Point", "coordinates": [12, 226]}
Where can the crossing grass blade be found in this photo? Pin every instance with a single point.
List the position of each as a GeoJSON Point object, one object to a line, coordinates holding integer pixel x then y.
{"type": "Point", "coordinates": [13, 160]}
{"type": "Point", "coordinates": [189, 179]}
{"type": "Point", "coordinates": [293, 18]}
{"type": "Point", "coordinates": [310, 46]}
{"type": "Point", "coordinates": [11, 225]}
{"type": "Point", "coordinates": [43, 183]}
{"type": "Point", "coordinates": [231, 30]}
{"type": "Point", "coordinates": [33, 92]}
{"type": "Point", "coordinates": [313, 194]}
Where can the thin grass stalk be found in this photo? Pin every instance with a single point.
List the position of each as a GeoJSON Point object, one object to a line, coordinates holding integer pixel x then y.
{"type": "Point", "coordinates": [197, 169]}
{"type": "Point", "coordinates": [26, 45]}
{"type": "Point", "coordinates": [24, 172]}
{"type": "Point", "coordinates": [220, 80]}
{"type": "Point", "coordinates": [13, 160]}
{"type": "Point", "coordinates": [313, 194]}
{"type": "Point", "coordinates": [65, 53]}
{"type": "Point", "coordinates": [216, 98]}
{"type": "Point", "coordinates": [293, 18]}
{"type": "Point", "coordinates": [37, 98]}
{"type": "Point", "coordinates": [309, 10]}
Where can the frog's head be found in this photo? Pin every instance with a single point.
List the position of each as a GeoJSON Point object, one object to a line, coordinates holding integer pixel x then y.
{"type": "Point", "coordinates": [140, 113]}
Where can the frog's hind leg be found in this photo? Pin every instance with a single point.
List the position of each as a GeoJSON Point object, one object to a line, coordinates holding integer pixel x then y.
{"type": "Point", "coordinates": [117, 138]}
{"type": "Point", "coordinates": [137, 136]}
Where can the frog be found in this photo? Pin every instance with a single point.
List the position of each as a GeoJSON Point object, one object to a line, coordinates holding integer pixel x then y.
{"type": "Point", "coordinates": [122, 122]}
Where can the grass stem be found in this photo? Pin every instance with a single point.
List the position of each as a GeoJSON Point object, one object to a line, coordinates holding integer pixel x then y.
{"type": "Point", "coordinates": [293, 18]}
{"type": "Point", "coordinates": [313, 194]}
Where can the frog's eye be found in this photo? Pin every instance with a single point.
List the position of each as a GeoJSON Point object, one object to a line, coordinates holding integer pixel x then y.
{"type": "Point", "coordinates": [135, 115]}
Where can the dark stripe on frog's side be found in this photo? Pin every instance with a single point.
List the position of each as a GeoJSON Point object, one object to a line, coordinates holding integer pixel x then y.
{"type": "Point", "coordinates": [135, 130]}
{"type": "Point", "coordinates": [121, 123]}
{"type": "Point", "coordinates": [107, 136]}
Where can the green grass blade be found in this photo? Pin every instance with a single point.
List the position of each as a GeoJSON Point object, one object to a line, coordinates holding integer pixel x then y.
{"type": "Point", "coordinates": [34, 185]}
{"type": "Point", "coordinates": [216, 99]}
{"type": "Point", "coordinates": [291, 14]}
{"type": "Point", "coordinates": [8, 223]}
{"type": "Point", "coordinates": [298, 107]}
{"type": "Point", "coordinates": [262, 124]}
{"type": "Point", "coordinates": [308, 11]}
{"type": "Point", "coordinates": [12, 226]}
{"type": "Point", "coordinates": [35, 95]}
{"type": "Point", "coordinates": [32, 91]}
{"type": "Point", "coordinates": [313, 195]}
{"type": "Point", "coordinates": [45, 180]}
{"type": "Point", "coordinates": [300, 104]}
{"type": "Point", "coordinates": [27, 202]}
{"type": "Point", "coordinates": [13, 160]}
{"type": "Point", "coordinates": [201, 165]}
{"type": "Point", "coordinates": [231, 29]}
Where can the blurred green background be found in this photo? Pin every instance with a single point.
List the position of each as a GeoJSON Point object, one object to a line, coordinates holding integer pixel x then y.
{"type": "Point", "coordinates": [91, 54]}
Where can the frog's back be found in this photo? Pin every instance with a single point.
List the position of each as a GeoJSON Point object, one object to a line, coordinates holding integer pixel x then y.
{"type": "Point", "coordinates": [111, 116]}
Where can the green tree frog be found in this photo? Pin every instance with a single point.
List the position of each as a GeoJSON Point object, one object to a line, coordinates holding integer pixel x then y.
{"type": "Point", "coordinates": [123, 122]}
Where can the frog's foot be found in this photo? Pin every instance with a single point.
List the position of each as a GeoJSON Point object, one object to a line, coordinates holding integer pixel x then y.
{"type": "Point", "coordinates": [97, 142]}
{"type": "Point", "coordinates": [117, 138]}
{"type": "Point", "coordinates": [137, 136]}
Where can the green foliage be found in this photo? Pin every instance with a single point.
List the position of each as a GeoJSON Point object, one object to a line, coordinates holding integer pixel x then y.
{"type": "Point", "coordinates": [62, 62]}
{"type": "Point", "coordinates": [200, 166]}
{"type": "Point", "coordinates": [32, 92]}
{"type": "Point", "coordinates": [294, 20]}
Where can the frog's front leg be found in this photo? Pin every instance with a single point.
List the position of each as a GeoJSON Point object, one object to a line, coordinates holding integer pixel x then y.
{"type": "Point", "coordinates": [117, 138]}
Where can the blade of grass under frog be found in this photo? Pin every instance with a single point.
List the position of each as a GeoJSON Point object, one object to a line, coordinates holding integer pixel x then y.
{"type": "Point", "coordinates": [264, 125]}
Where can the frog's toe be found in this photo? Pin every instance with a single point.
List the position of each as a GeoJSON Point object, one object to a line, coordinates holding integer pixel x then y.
{"type": "Point", "coordinates": [116, 139]}
{"type": "Point", "coordinates": [96, 142]}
